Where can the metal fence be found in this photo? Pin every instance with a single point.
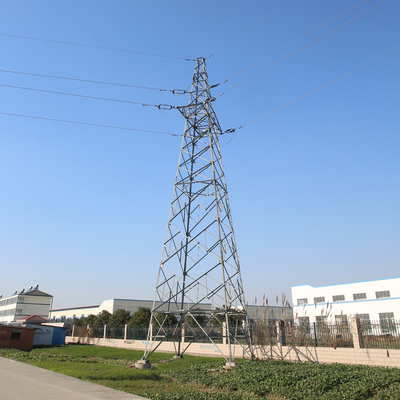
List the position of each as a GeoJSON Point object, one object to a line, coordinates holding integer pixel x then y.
{"type": "Point", "coordinates": [137, 332]}
{"type": "Point", "coordinates": [115, 332]}
{"type": "Point", "coordinates": [380, 335]}
{"type": "Point", "coordinates": [332, 335]}
{"type": "Point", "coordinates": [264, 333]}
{"type": "Point", "coordinates": [290, 334]}
{"type": "Point", "coordinates": [199, 335]}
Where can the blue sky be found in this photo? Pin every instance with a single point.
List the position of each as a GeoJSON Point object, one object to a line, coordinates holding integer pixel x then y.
{"type": "Point", "coordinates": [314, 187]}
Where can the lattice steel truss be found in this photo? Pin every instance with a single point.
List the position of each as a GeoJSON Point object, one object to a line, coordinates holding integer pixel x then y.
{"type": "Point", "coordinates": [199, 279]}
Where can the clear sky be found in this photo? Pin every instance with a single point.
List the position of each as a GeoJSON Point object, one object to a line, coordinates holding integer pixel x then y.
{"type": "Point", "coordinates": [314, 187]}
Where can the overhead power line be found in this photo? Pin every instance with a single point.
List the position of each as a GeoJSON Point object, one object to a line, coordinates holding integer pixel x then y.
{"type": "Point", "coordinates": [294, 41]}
{"type": "Point", "coordinates": [89, 124]}
{"type": "Point", "coordinates": [236, 37]}
{"type": "Point", "coordinates": [304, 47]}
{"type": "Point", "coordinates": [159, 106]}
{"type": "Point", "coordinates": [96, 47]}
{"type": "Point", "coordinates": [173, 91]}
{"type": "Point", "coordinates": [232, 130]}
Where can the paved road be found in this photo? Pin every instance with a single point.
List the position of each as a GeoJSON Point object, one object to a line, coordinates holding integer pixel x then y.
{"type": "Point", "coordinates": [22, 381]}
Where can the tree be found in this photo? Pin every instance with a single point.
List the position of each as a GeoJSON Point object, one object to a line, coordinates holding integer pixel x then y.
{"type": "Point", "coordinates": [141, 317]}
{"type": "Point", "coordinates": [170, 319]}
{"type": "Point", "coordinates": [78, 322]}
{"type": "Point", "coordinates": [89, 320]}
{"type": "Point", "coordinates": [200, 318]}
{"type": "Point", "coordinates": [235, 316]}
{"type": "Point", "coordinates": [103, 318]}
{"type": "Point", "coordinates": [119, 317]}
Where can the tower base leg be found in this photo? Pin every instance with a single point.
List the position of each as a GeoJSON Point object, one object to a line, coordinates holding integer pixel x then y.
{"type": "Point", "coordinates": [230, 365]}
{"type": "Point", "coordinates": [142, 364]}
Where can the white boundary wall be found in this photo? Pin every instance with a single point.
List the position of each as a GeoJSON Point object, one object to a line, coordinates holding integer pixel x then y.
{"type": "Point", "coordinates": [374, 357]}
{"type": "Point", "coordinates": [356, 355]}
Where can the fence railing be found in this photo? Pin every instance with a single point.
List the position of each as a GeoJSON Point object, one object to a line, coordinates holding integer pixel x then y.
{"type": "Point", "coordinates": [136, 332]}
{"type": "Point", "coordinates": [199, 335]}
{"type": "Point", "coordinates": [380, 335]}
{"type": "Point", "coordinates": [289, 333]}
{"type": "Point", "coordinates": [360, 334]}
{"type": "Point", "coordinates": [264, 333]}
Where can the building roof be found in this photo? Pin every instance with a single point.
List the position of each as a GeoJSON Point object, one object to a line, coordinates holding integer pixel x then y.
{"type": "Point", "coordinates": [347, 283]}
{"type": "Point", "coordinates": [36, 292]}
{"type": "Point", "coordinates": [74, 308]}
{"type": "Point", "coordinates": [13, 327]}
{"type": "Point", "coordinates": [33, 319]}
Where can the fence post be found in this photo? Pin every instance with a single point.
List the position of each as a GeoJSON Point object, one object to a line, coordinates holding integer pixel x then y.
{"type": "Point", "coordinates": [224, 333]}
{"type": "Point", "coordinates": [280, 330]}
{"type": "Point", "coordinates": [315, 335]}
{"type": "Point", "coordinates": [104, 333]}
{"type": "Point", "coordinates": [126, 331]}
{"type": "Point", "coordinates": [73, 331]}
{"type": "Point", "coordinates": [356, 332]}
{"type": "Point", "coordinates": [183, 332]}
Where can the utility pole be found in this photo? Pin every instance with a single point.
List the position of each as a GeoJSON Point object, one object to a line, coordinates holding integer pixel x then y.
{"type": "Point", "coordinates": [199, 280]}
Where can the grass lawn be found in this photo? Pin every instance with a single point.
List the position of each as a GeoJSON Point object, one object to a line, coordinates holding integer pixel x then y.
{"type": "Point", "coordinates": [203, 378]}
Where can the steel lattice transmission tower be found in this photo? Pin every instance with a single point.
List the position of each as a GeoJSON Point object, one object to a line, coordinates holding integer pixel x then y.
{"type": "Point", "coordinates": [199, 279]}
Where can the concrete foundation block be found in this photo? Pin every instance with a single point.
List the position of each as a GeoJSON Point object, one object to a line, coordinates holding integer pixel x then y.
{"type": "Point", "coordinates": [142, 364]}
{"type": "Point", "coordinates": [230, 365]}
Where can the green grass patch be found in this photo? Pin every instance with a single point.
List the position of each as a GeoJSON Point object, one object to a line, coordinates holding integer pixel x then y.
{"type": "Point", "coordinates": [203, 378]}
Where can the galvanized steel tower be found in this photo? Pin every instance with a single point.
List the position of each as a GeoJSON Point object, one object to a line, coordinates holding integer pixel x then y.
{"type": "Point", "coordinates": [199, 280]}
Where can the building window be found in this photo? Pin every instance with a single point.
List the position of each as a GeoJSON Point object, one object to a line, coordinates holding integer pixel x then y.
{"type": "Point", "coordinates": [319, 299]}
{"type": "Point", "coordinates": [301, 302]}
{"type": "Point", "coordinates": [321, 320]}
{"type": "Point", "coordinates": [359, 296]}
{"type": "Point", "coordinates": [18, 311]}
{"type": "Point", "coordinates": [15, 336]}
{"type": "Point", "coordinates": [304, 321]}
{"type": "Point", "coordinates": [383, 294]}
{"type": "Point", "coordinates": [363, 318]}
{"type": "Point", "coordinates": [304, 325]}
{"type": "Point", "coordinates": [63, 318]}
{"type": "Point", "coordinates": [341, 319]}
{"type": "Point", "coordinates": [365, 322]}
{"type": "Point", "coordinates": [387, 322]}
{"type": "Point", "coordinates": [339, 297]}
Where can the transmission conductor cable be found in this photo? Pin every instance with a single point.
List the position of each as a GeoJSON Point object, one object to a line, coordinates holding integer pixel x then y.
{"type": "Point", "coordinates": [159, 106]}
{"type": "Point", "coordinates": [284, 47]}
{"type": "Point", "coordinates": [295, 52]}
{"type": "Point", "coordinates": [173, 91]}
{"type": "Point", "coordinates": [248, 29]}
{"type": "Point", "coordinates": [96, 47]}
{"type": "Point", "coordinates": [232, 130]}
{"type": "Point", "coordinates": [89, 124]}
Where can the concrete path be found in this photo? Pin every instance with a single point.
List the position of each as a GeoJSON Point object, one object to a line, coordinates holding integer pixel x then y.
{"type": "Point", "coordinates": [22, 381]}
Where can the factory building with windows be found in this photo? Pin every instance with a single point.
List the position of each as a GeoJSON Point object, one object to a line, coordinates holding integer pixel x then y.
{"type": "Point", "coordinates": [68, 314]}
{"type": "Point", "coordinates": [372, 301]}
{"type": "Point", "coordinates": [111, 305]}
{"type": "Point", "coordinates": [25, 303]}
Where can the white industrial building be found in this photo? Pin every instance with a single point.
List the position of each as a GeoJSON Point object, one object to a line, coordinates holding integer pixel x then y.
{"type": "Point", "coordinates": [68, 314]}
{"type": "Point", "coordinates": [25, 303]}
{"type": "Point", "coordinates": [372, 301]}
{"type": "Point", "coordinates": [111, 305]}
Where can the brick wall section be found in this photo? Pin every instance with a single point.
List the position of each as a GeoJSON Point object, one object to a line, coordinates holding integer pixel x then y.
{"type": "Point", "coordinates": [23, 343]}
